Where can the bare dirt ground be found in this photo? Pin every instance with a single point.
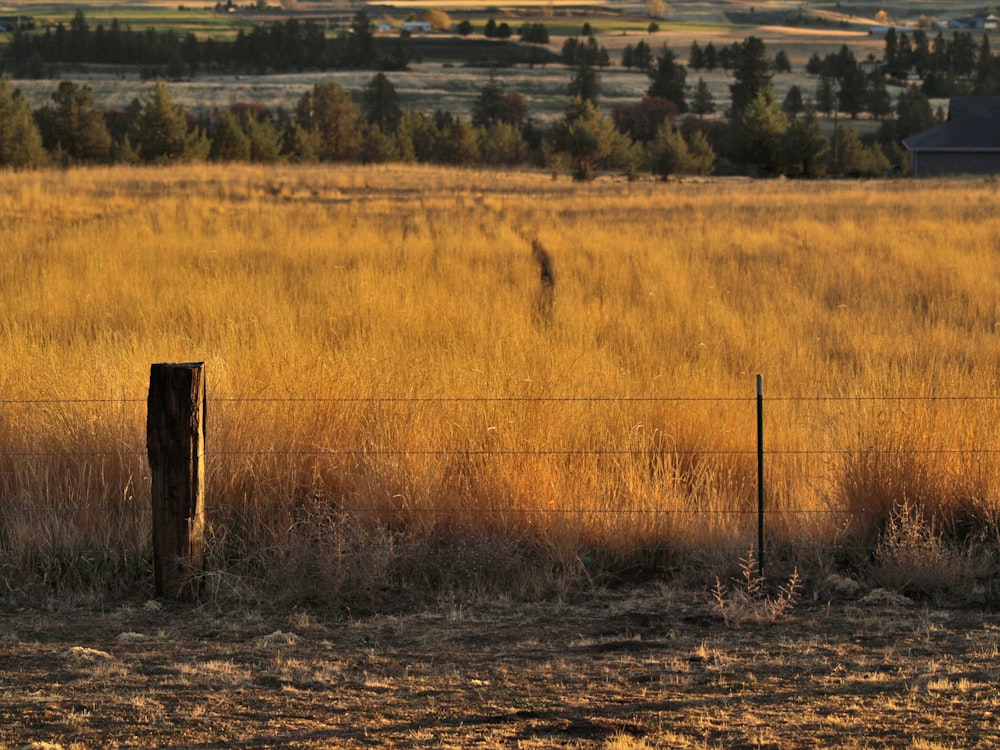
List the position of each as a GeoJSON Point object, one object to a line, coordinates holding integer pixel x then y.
{"type": "Point", "coordinates": [627, 669]}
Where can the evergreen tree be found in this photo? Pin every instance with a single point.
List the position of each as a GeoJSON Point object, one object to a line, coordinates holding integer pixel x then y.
{"type": "Point", "coordinates": [363, 51]}
{"type": "Point", "coordinates": [826, 96]}
{"type": "Point", "coordinates": [781, 62]}
{"type": "Point", "coordinates": [643, 56]}
{"type": "Point", "coordinates": [793, 104]}
{"type": "Point", "coordinates": [696, 57]}
{"type": "Point", "coordinates": [495, 104]}
{"type": "Point", "coordinates": [380, 103]}
{"type": "Point", "coordinates": [502, 144]}
{"type": "Point", "coordinates": [591, 141]}
{"type": "Point", "coordinates": [628, 57]}
{"type": "Point", "coordinates": [299, 144]}
{"type": "Point", "coordinates": [415, 136]}
{"type": "Point", "coordinates": [568, 52]}
{"type": "Point", "coordinates": [669, 80]}
{"type": "Point", "coordinates": [20, 141]}
{"type": "Point", "coordinates": [987, 72]}
{"type": "Point", "coordinates": [804, 149]}
{"type": "Point", "coordinates": [457, 142]}
{"type": "Point", "coordinates": [711, 57]}
{"type": "Point", "coordinates": [78, 41]}
{"type": "Point", "coordinates": [265, 141]}
{"type": "Point", "coordinates": [904, 53]}
{"type": "Point", "coordinates": [752, 73]}
{"type": "Point", "coordinates": [534, 33]}
{"type": "Point", "coordinates": [962, 54]}
{"type": "Point", "coordinates": [701, 155]}
{"type": "Point", "coordinates": [877, 99]}
{"type": "Point", "coordinates": [702, 103]}
{"type": "Point", "coordinates": [892, 48]}
{"type": "Point", "coordinates": [229, 141]}
{"type": "Point", "coordinates": [586, 81]}
{"type": "Point", "coordinates": [378, 146]}
{"type": "Point", "coordinates": [852, 89]}
{"type": "Point", "coordinates": [759, 133]}
{"type": "Point", "coordinates": [913, 115]}
{"type": "Point", "coordinates": [75, 128]}
{"type": "Point", "coordinates": [921, 53]}
{"type": "Point", "coordinates": [671, 154]}
{"type": "Point", "coordinates": [163, 135]}
{"type": "Point", "coordinates": [328, 112]}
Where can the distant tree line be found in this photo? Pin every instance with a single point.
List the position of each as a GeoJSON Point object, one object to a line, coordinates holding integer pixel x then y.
{"type": "Point", "coordinates": [948, 67]}
{"type": "Point", "coordinates": [291, 46]}
{"type": "Point", "coordinates": [674, 129]}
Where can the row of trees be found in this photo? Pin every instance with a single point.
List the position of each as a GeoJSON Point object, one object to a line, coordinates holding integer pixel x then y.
{"type": "Point", "coordinates": [280, 47]}
{"type": "Point", "coordinates": [759, 137]}
{"type": "Point", "coordinates": [946, 67]}
{"type": "Point", "coordinates": [955, 66]}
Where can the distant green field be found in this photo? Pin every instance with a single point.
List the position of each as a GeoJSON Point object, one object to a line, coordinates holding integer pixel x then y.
{"type": "Point", "coordinates": [201, 21]}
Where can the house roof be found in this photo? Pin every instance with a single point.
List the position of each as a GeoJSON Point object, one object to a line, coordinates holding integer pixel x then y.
{"type": "Point", "coordinates": [973, 125]}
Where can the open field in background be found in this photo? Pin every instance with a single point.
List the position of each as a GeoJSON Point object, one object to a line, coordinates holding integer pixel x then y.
{"type": "Point", "coordinates": [399, 405]}
{"type": "Point", "coordinates": [426, 86]}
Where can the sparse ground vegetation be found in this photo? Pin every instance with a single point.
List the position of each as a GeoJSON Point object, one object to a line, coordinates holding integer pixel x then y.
{"type": "Point", "coordinates": [623, 670]}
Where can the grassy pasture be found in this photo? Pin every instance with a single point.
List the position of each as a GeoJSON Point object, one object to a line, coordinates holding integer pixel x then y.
{"type": "Point", "coordinates": [397, 396]}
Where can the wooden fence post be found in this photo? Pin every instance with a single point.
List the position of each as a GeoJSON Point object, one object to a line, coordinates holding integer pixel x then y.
{"type": "Point", "coordinates": [175, 444]}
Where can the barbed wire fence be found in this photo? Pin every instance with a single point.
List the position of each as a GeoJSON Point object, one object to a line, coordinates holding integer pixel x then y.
{"type": "Point", "coordinates": [787, 492]}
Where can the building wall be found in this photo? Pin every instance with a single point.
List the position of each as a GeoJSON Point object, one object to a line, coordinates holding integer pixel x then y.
{"type": "Point", "coordinates": [930, 163]}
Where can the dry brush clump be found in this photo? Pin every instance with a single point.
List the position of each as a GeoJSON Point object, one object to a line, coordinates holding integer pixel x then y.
{"type": "Point", "coordinates": [418, 359]}
{"type": "Point", "coordinates": [913, 555]}
{"type": "Point", "coordinates": [748, 599]}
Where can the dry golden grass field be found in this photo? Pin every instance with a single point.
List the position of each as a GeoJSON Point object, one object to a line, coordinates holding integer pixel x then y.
{"type": "Point", "coordinates": [435, 395]}
{"type": "Point", "coordinates": [542, 371]}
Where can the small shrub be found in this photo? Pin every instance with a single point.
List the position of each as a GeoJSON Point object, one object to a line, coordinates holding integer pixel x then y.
{"type": "Point", "coordinates": [912, 556]}
{"type": "Point", "coordinates": [749, 601]}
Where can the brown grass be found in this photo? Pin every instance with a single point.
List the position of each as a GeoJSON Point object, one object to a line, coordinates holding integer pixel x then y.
{"type": "Point", "coordinates": [382, 394]}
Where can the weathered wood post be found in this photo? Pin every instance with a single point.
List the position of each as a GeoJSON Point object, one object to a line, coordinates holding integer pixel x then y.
{"type": "Point", "coordinates": [175, 444]}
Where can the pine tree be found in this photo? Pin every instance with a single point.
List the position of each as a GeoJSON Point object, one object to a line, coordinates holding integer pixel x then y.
{"type": "Point", "coordinates": [162, 131]}
{"type": "Point", "coordinates": [702, 103]}
{"type": "Point", "coordinates": [381, 103]}
{"type": "Point", "coordinates": [76, 128]}
{"type": "Point", "coordinates": [752, 73]}
{"type": "Point", "coordinates": [329, 113]}
{"type": "Point", "coordinates": [760, 131]}
{"type": "Point", "coordinates": [669, 80]}
{"type": "Point", "coordinates": [20, 141]}
{"type": "Point", "coordinates": [229, 142]}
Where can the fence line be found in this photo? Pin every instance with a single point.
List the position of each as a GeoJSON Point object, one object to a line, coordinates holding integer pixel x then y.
{"type": "Point", "coordinates": [807, 398]}
{"type": "Point", "coordinates": [511, 399]}
{"type": "Point", "coordinates": [774, 452]}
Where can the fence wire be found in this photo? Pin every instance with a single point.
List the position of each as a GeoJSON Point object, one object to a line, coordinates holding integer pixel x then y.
{"type": "Point", "coordinates": [961, 447]}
